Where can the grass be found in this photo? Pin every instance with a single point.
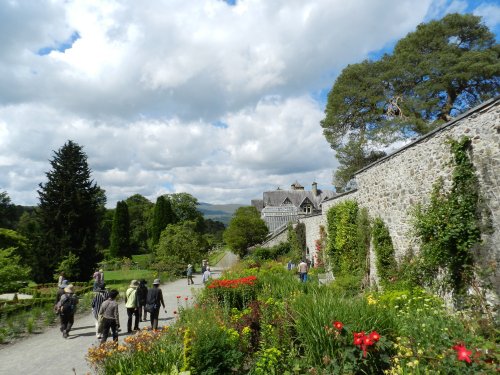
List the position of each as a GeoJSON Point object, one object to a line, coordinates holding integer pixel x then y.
{"type": "Point", "coordinates": [216, 256]}
{"type": "Point", "coordinates": [121, 279]}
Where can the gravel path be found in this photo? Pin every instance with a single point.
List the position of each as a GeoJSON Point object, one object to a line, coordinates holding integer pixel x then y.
{"type": "Point", "coordinates": [49, 353]}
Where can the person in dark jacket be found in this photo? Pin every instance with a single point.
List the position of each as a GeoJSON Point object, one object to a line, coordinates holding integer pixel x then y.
{"type": "Point", "coordinates": [154, 300]}
{"type": "Point", "coordinates": [142, 296]}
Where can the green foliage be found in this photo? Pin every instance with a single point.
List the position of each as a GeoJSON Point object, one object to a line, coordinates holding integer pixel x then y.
{"type": "Point", "coordinates": [296, 250]}
{"type": "Point", "coordinates": [120, 232]}
{"type": "Point", "coordinates": [440, 70]}
{"type": "Point", "coordinates": [343, 242]}
{"type": "Point", "coordinates": [245, 229]}
{"type": "Point", "coordinates": [69, 213]}
{"type": "Point", "coordinates": [163, 215]}
{"type": "Point", "coordinates": [8, 216]}
{"type": "Point", "coordinates": [140, 210]}
{"type": "Point", "coordinates": [182, 241]}
{"type": "Point", "coordinates": [184, 206]}
{"type": "Point", "coordinates": [449, 226]}
{"type": "Point", "coordinates": [384, 252]}
{"type": "Point", "coordinates": [70, 266]}
{"type": "Point", "coordinates": [267, 253]}
{"type": "Point", "coordinates": [12, 270]}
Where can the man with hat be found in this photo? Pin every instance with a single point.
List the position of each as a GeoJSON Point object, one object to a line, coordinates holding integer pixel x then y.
{"type": "Point", "coordinates": [132, 306]}
{"type": "Point", "coordinates": [189, 274]}
{"type": "Point", "coordinates": [155, 298]}
{"type": "Point", "coordinates": [67, 309]}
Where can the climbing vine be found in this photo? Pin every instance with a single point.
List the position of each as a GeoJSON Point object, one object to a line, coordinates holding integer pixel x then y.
{"type": "Point", "coordinates": [384, 252]}
{"type": "Point", "coordinates": [344, 240]}
{"type": "Point", "coordinates": [449, 226]}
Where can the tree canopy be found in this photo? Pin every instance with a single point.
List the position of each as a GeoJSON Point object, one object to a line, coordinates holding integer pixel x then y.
{"type": "Point", "coordinates": [69, 213]}
{"type": "Point", "coordinates": [120, 232]}
{"type": "Point", "coordinates": [8, 215]}
{"type": "Point", "coordinates": [435, 73]}
{"type": "Point", "coordinates": [140, 210]}
{"type": "Point", "coordinates": [245, 229]}
{"type": "Point", "coordinates": [162, 216]}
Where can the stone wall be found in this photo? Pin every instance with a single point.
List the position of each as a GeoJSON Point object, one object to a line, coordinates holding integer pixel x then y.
{"type": "Point", "coordinates": [276, 239]}
{"type": "Point", "coordinates": [390, 187]}
{"type": "Point", "coordinates": [312, 224]}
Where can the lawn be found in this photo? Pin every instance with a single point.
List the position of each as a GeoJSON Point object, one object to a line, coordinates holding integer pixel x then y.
{"type": "Point", "coordinates": [121, 279]}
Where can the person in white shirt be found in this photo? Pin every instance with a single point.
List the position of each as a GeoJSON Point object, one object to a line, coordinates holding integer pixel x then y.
{"type": "Point", "coordinates": [303, 271]}
{"type": "Point", "coordinates": [206, 275]}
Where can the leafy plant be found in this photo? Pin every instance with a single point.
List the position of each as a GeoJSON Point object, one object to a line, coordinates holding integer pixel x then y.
{"type": "Point", "coordinates": [384, 252]}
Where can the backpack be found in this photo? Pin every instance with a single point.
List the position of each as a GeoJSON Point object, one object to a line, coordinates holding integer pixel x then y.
{"type": "Point", "coordinates": [68, 305]}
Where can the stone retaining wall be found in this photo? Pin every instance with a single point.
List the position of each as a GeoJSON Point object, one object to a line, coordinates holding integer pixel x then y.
{"type": "Point", "coordinates": [390, 187]}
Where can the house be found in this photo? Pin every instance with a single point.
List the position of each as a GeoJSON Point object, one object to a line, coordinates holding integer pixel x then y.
{"type": "Point", "coordinates": [279, 207]}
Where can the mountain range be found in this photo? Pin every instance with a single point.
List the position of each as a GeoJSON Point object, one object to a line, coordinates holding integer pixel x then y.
{"type": "Point", "coordinates": [219, 212]}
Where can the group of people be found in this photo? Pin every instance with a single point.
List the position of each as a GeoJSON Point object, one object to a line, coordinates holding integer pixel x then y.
{"type": "Point", "coordinates": [139, 301]}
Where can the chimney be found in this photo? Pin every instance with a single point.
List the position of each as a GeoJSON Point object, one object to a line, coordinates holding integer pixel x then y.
{"type": "Point", "coordinates": [315, 189]}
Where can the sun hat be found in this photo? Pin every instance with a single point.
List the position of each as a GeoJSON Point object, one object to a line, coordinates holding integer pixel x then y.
{"type": "Point", "coordinates": [63, 284]}
{"type": "Point", "coordinates": [190, 265]}
{"type": "Point", "coordinates": [69, 289]}
{"type": "Point", "coordinates": [156, 282]}
{"type": "Point", "coordinates": [133, 284]}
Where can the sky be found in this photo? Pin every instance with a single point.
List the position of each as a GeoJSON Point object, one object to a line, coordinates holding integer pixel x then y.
{"type": "Point", "coordinates": [219, 99]}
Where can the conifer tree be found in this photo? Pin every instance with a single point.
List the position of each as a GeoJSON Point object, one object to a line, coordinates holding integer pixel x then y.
{"type": "Point", "coordinates": [120, 232]}
{"type": "Point", "coordinates": [162, 216]}
{"type": "Point", "coordinates": [69, 214]}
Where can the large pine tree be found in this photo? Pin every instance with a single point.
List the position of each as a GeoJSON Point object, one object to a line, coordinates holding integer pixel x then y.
{"type": "Point", "coordinates": [120, 232]}
{"type": "Point", "coordinates": [162, 216]}
{"type": "Point", "coordinates": [69, 213]}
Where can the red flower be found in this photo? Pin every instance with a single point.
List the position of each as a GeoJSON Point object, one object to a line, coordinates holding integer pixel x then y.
{"type": "Point", "coordinates": [368, 341]}
{"type": "Point", "coordinates": [462, 353]}
{"type": "Point", "coordinates": [358, 341]}
{"type": "Point", "coordinates": [186, 298]}
{"type": "Point", "coordinates": [338, 325]}
{"type": "Point", "coordinates": [178, 297]}
{"type": "Point", "coordinates": [374, 336]}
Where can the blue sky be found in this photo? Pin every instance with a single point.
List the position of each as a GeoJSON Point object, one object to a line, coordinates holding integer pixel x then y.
{"type": "Point", "coordinates": [220, 99]}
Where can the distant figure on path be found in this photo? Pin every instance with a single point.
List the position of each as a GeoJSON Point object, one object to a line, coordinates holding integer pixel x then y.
{"type": "Point", "coordinates": [132, 306]}
{"type": "Point", "coordinates": [111, 319]}
{"type": "Point", "coordinates": [154, 300]}
{"type": "Point", "coordinates": [206, 275]}
{"type": "Point", "coordinates": [189, 274]}
{"type": "Point", "coordinates": [60, 280]}
{"type": "Point", "coordinates": [204, 265]}
{"type": "Point", "coordinates": [303, 271]}
{"type": "Point", "coordinates": [98, 277]}
{"type": "Point", "coordinates": [142, 296]}
{"type": "Point", "coordinates": [99, 297]}
{"type": "Point", "coordinates": [67, 308]}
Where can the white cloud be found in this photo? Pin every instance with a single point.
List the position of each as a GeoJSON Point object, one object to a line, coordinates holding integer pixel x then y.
{"type": "Point", "coordinates": [490, 13]}
{"type": "Point", "coordinates": [143, 85]}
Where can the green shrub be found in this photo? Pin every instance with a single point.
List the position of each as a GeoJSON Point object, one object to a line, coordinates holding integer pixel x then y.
{"type": "Point", "coordinates": [384, 252]}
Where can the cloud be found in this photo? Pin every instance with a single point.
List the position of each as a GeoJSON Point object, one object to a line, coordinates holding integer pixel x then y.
{"type": "Point", "coordinates": [214, 99]}
{"type": "Point", "coordinates": [490, 13]}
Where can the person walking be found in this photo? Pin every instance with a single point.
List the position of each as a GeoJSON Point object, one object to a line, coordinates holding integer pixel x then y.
{"type": "Point", "coordinates": [303, 271]}
{"type": "Point", "coordinates": [154, 300]}
{"type": "Point", "coordinates": [189, 274]}
{"type": "Point", "coordinates": [60, 291]}
{"type": "Point", "coordinates": [206, 275]}
{"type": "Point", "coordinates": [98, 277]}
{"type": "Point", "coordinates": [99, 297]}
{"type": "Point", "coordinates": [60, 280]}
{"type": "Point", "coordinates": [110, 316]}
{"type": "Point", "coordinates": [132, 306]}
{"type": "Point", "coordinates": [142, 296]}
{"type": "Point", "coordinates": [66, 309]}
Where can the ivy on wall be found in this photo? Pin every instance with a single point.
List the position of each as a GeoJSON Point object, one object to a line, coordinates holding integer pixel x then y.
{"type": "Point", "coordinates": [346, 243]}
{"type": "Point", "coordinates": [448, 226]}
{"type": "Point", "coordinates": [384, 252]}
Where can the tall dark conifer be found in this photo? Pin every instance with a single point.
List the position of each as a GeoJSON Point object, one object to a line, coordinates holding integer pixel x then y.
{"type": "Point", "coordinates": [120, 232]}
{"type": "Point", "coordinates": [69, 213]}
{"type": "Point", "coordinates": [162, 216]}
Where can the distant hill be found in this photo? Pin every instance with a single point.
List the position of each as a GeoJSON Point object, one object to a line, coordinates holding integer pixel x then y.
{"type": "Point", "coordinates": [219, 212]}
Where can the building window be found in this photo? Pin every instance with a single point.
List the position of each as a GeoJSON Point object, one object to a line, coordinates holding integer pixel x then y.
{"type": "Point", "coordinates": [307, 208]}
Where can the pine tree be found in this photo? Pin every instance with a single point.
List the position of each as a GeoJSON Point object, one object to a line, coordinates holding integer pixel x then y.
{"type": "Point", "coordinates": [69, 213]}
{"type": "Point", "coordinates": [162, 216]}
{"type": "Point", "coordinates": [120, 232]}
